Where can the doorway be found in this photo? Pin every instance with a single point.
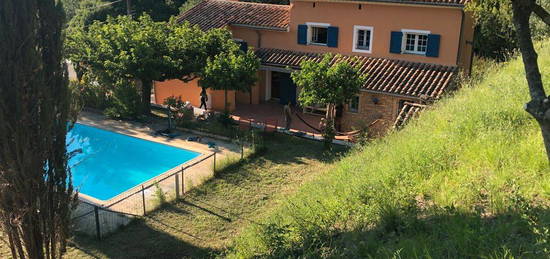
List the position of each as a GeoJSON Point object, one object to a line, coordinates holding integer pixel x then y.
{"type": "Point", "coordinates": [283, 88]}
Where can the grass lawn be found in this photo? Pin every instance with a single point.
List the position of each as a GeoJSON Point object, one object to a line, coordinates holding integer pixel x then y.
{"type": "Point", "coordinates": [207, 220]}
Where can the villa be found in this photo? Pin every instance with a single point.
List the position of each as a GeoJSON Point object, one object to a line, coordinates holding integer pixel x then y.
{"type": "Point", "coordinates": [411, 50]}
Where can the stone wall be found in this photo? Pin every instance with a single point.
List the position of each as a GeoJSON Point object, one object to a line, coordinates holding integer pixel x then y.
{"type": "Point", "coordinates": [372, 107]}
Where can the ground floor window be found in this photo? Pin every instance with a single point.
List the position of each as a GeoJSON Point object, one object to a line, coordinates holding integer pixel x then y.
{"type": "Point", "coordinates": [354, 104]}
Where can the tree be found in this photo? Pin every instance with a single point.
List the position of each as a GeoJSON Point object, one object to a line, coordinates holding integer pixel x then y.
{"type": "Point", "coordinates": [230, 70]}
{"type": "Point", "coordinates": [136, 50]}
{"type": "Point", "coordinates": [495, 34]}
{"type": "Point", "coordinates": [539, 106]}
{"type": "Point", "coordinates": [331, 81]}
{"type": "Point", "coordinates": [36, 193]}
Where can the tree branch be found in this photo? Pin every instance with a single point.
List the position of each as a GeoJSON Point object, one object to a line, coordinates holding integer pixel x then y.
{"type": "Point", "coordinates": [541, 13]}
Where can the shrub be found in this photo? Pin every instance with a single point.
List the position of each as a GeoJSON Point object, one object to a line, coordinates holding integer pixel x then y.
{"type": "Point", "coordinates": [91, 95]}
{"type": "Point", "coordinates": [124, 102]}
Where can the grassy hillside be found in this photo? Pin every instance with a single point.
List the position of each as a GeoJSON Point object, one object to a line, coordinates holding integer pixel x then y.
{"type": "Point", "coordinates": [467, 179]}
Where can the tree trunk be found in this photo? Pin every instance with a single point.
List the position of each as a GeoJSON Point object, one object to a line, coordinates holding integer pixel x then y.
{"type": "Point", "coordinates": [539, 106]}
{"type": "Point", "coordinates": [146, 86]}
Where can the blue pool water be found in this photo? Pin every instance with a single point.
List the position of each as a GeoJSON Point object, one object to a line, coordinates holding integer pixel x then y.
{"type": "Point", "coordinates": [111, 163]}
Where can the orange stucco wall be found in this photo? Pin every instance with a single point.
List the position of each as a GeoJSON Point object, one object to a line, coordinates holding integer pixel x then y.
{"type": "Point", "coordinates": [384, 18]}
{"type": "Point", "coordinates": [191, 92]}
{"type": "Point", "coordinates": [454, 26]}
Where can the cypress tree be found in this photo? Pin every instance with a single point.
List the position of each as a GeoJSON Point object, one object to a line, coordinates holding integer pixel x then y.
{"type": "Point", "coordinates": [36, 194]}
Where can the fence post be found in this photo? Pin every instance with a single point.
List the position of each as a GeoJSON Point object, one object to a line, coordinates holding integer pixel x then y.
{"type": "Point", "coordinates": [143, 198]}
{"type": "Point", "coordinates": [177, 176]}
{"type": "Point", "coordinates": [97, 227]}
{"type": "Point", "coordinates": [242, 150]}
{"type": "Point", "coordinates": [214, 161]}
{"type": "Point", "coordinates": [182, 181]}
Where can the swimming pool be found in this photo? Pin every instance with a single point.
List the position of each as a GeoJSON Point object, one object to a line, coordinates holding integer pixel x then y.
{"type": "Point", "coordinates": [112, 163]}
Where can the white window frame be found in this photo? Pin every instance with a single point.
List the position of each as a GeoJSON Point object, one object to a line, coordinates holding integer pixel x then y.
{"type": "Point", "coordinates": [358, 105]}
{"type": "Point", "coordinates": [356, 29]}
{"type": "Point", "coordinates": [404, 41]}
{"type": "Point", "coordinates": [310, 35]}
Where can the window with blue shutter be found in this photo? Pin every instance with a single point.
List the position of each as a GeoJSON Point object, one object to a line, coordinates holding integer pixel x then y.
{"type": "Point", "coordinates": [433, 45]}
{"type": "Point", "coordinates": [243, 45]}
{"type": "Point", "coordinates": [396, 41]}
{"type": "Point", "coordinates": [302, 34]}
{"type": "Point", "coordinates": [332, 37]}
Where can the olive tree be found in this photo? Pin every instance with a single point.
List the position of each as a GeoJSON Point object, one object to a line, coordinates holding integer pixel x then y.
{"type": "Point", "coordinates": [331, 81]}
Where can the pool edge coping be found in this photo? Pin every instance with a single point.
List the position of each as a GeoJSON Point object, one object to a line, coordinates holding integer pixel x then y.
{"type": "Point", "coordinates": [102, 203]}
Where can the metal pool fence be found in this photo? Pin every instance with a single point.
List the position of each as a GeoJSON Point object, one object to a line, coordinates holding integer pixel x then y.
{"type": "Point", "coordinates": [99, 220]}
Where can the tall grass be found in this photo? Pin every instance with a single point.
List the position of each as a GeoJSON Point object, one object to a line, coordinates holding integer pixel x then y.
{"type": "Point", "coordinates": [469, 178]}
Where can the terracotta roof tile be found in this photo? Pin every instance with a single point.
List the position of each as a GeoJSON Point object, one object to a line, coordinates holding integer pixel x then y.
{"type": "Point", "coordinates": [210, 14]}
{"type": "Point", "coordinates": [458, 3]}
{"type": "Point", "coordinates": [409, 111]}
{"type": "Point", "coordinates": [422, 80]}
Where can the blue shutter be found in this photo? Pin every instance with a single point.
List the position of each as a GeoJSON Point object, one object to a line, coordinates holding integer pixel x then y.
{"type": "Point", "coordinates": [332, 40]}
{"type": "Point", "coordinates": [433, 45]}
{"type": "Point", "coordinates": [243, 45]}
{"type": "Point", "coordinates": [302, 34]}
{"type": "Point", "coordinates": [396, 41]}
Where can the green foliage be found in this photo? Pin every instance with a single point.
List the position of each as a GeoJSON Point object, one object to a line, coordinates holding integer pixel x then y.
{"type": "Point", "coordinates": [327, 82]}
{"type": "Point", "coordinates": [124, 101]}
{"type": "Point", "coordinates": [125, 49]}
{"type": "Point", "coordinates": [495, 35]}
{"type": "Point", "coordinates": [232, 70]}
{"type": "Point", "coordinates": [467, 179]}
{"type": "Point", "coordinates": [87, 12]}
{"type": "Point", "coordinates": [36, 191]}
{"type": "Point", "coordinates": [160, 196]}
{"type": "Point", "coordinates": [188, 5]}
{"type": "Point", "coordinates": [82, 13]}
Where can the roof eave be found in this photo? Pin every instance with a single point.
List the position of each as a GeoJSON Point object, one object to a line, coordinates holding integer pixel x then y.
{"type": "Point", "coordinates": [391, 2]}
{"type": "Point", "coordinates": [257, 27]}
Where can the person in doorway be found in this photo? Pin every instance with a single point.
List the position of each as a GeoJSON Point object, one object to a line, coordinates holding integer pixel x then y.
{"type": "Point", "coordinates": [287, 110]}
{"type": "Point", "coordinates": [204, 99]}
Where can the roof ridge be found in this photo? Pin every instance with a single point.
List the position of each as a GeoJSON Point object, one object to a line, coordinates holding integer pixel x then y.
{"type": "Point", "coordinates": [248, 3]}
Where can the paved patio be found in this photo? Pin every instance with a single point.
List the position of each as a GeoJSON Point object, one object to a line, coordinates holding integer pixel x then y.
{"type": "Point", "coordinates": [271, 114]}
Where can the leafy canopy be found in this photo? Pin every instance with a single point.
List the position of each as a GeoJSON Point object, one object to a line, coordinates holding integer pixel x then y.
{"type": "Point", "coordinates": [119, 47]}
{"type": "Point", "coordinates": [231, 70]}
{"type": "Point", "coordinates": [328, 81]}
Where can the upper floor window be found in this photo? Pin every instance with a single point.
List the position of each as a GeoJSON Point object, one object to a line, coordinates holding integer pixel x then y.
{"type": "Point", "coordinates": [321, 34]}
{"type": "Point", "coordinates": [362, 39]}
{"type": "Point", "coordinates": [354, 104]}
{"type": "Point", "coordinates": [318, 33]}
{"type": "Point", "coordinates": [416, 42]}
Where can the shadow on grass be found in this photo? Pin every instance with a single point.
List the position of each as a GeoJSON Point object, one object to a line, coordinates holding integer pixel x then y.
{"type": "Point", "coordinates": [447, 234]}
{"type": "Point", "coordinates": [140, 240]}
